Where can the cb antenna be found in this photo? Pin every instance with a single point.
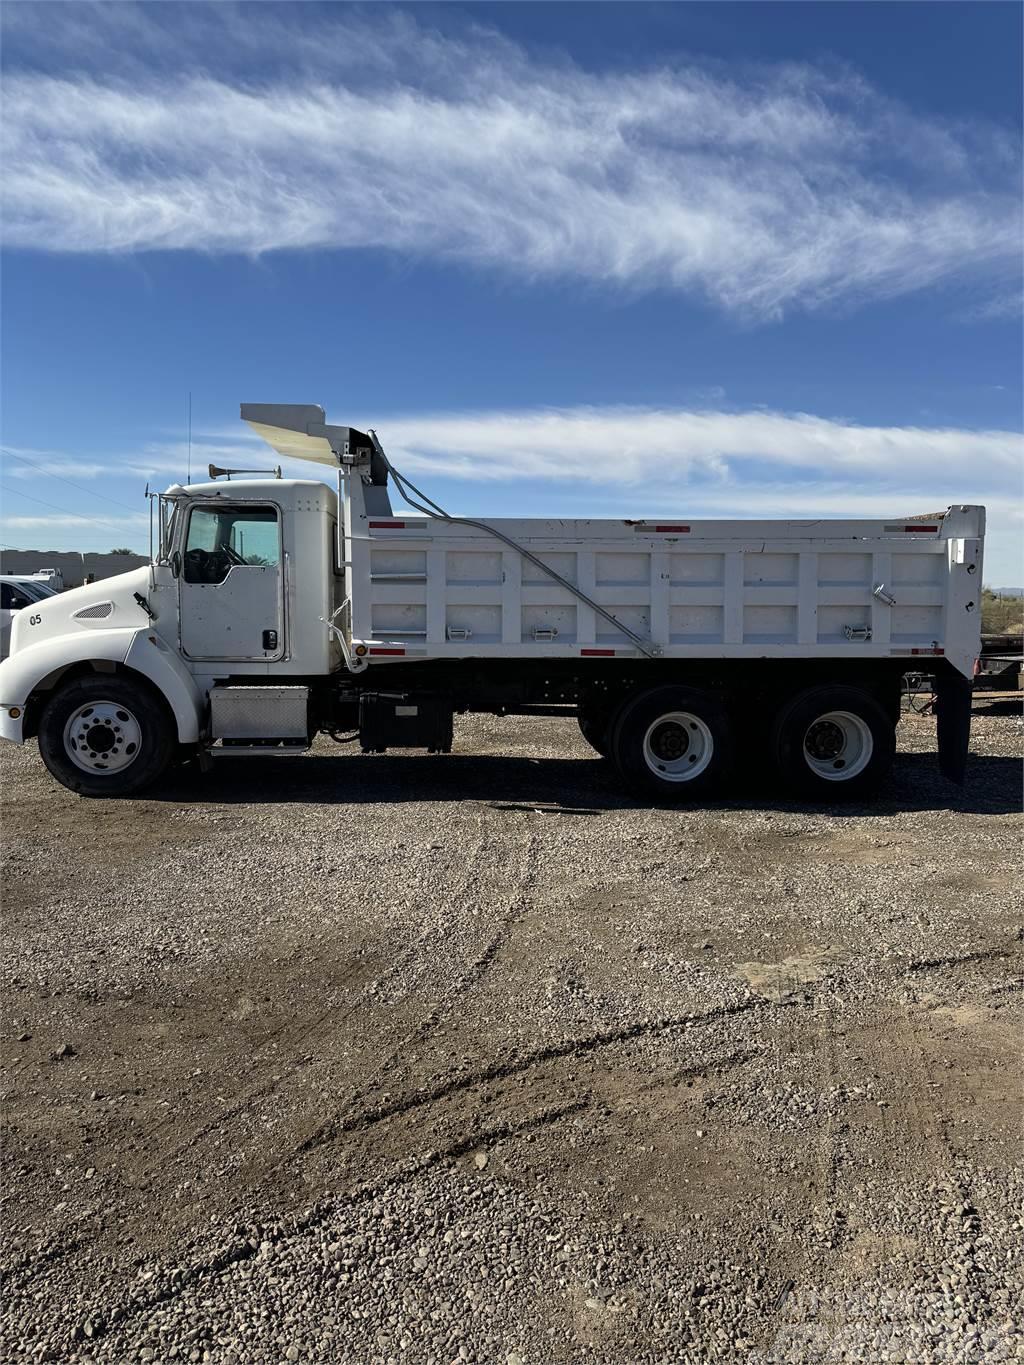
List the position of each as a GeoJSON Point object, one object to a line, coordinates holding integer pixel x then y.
{"type": "Point", "coordinates": [189, 474]}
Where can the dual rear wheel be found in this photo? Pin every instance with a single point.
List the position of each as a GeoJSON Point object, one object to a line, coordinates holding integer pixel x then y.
{"type": "Point", "coordinates": [833, 743]}
{"type": "Point", "coordinates": [681, 744]}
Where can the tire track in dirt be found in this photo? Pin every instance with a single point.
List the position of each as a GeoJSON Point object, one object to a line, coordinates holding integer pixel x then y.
{"type": "Point", "coordinates": [921, 964]}
{"type": "Point", "coordinates": [99, 1324]}
{"type": "Point", "coordinates": [971, 1228]}
{"type": "Point", "coordinates": [406, 1046]}
{"type": "Point", "coordinates": [574, 1047]}
{"type": "Point", "coordinates": [295, 1034]}
{"type": "Point", "coordinates": [243, 1249]}
{"type": "Point", "coordinates": [409, 1169]}
{"type": "Point", "coordinates": [300, 1032]}
{"type": "Point", "coordinates": [829, 1154]}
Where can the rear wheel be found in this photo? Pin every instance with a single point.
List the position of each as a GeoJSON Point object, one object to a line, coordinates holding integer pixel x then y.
{"type": "Point", "coordinates": [833, 743]}
{"type": "Point", "coordinates": [596, 727]}
{"type": "Point", "coordinates": [105, 736]}
{"type": "Point", "coordinates": [673, 743]}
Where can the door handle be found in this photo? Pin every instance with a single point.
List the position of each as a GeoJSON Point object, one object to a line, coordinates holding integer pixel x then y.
{"type": "Point", "coordinates": [270, 639]}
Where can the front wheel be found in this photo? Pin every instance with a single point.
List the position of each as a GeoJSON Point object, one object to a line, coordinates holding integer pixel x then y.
{"type": "Point", "coordinates": [673, 743]}
{"type": "Point", "coordinates": [833, 743]}
{"type": "Point", "coordinates": [103, 735]}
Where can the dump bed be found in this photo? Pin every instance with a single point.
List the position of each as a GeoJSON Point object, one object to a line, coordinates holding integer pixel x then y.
{"type": "Point", "coordinates": [438, 586]}
{"type": "Point", "coordinates": [674, 587]}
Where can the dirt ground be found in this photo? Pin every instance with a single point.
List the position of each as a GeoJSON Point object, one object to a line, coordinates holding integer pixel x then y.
{"type": "Point", "coordinates": [472, 1058]}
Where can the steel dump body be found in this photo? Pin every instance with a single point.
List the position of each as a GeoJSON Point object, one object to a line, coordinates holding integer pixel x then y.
{"type": "Point", "coordinates": [423, 588]}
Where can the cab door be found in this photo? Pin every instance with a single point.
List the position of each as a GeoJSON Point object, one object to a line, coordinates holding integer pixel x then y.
{"type": "Point", "coordinates": [230, 589]}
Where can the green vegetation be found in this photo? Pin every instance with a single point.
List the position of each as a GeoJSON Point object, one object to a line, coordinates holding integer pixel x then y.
{"type": "Point", "coordinates": [1002, 613]}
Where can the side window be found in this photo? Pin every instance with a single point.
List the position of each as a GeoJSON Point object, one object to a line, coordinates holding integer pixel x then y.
{"type": "Point", "coordinates": [254, 536]}
{"type": "Point", "coordinates": [11, 599]}
{"type": "Point", "coordinates": [220, 538]}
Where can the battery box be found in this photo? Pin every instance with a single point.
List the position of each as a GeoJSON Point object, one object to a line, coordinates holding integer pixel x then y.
{"type": "Point", "coordinates": [395, 720]}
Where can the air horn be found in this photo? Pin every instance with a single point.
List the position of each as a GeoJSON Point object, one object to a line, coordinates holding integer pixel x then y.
{"type": "Point", "coordinates": [216, 471]}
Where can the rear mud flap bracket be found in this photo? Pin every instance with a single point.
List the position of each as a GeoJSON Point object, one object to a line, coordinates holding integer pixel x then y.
{"type": "Point", "coordinates": [953, 723]}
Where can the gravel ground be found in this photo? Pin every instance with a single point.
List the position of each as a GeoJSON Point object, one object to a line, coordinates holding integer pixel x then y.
{"type": "Point", "coordinates": [379, 1059]}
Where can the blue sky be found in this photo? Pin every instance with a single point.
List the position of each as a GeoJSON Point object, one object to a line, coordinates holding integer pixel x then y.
{"type": "Point", "coordinates": [713, 259]}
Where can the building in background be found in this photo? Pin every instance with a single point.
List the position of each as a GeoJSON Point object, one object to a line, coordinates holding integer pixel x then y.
{"type": "Point", "coordinates": [74, 566]}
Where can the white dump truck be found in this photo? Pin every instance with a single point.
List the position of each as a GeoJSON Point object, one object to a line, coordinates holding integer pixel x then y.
{"type": "Point", "coordinates": [276, 609]}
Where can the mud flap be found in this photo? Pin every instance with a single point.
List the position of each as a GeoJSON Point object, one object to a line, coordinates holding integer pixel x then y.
{"type": "Point", "coordinates": [953, 723]}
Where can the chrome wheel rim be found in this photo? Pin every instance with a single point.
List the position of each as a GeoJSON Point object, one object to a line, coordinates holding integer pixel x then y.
{"type": "Point", "coordinates": [102, 737]}
{"type": "Point", "coordinates": [837, 746]}
{"type": "Point", "coordinates": [678, 746]}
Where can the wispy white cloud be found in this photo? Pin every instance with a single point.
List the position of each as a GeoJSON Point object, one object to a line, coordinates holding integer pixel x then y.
{"type": "Point", "coordinates": [69, 521]}
{"type": "Point", "coordinates": [636, 462]}
{"type": "Point", "coordinates": [730, 454]}
{"type": "Point", "coordinates": [19, 463]}
{"type": "Point", "coordinates": [717, 458]}
{"type": "Point", "coordinates": [151, 458]}
{"type": "Point", "coordinates": [762, 191]}
{"type": "Point", "coordinates": [172, 457]}
{"type": "Point", "coordinates": [642, 461]}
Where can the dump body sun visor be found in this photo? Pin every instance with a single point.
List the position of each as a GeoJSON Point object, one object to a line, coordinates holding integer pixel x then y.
{"type": "Point", "coordinates": [298, 432]}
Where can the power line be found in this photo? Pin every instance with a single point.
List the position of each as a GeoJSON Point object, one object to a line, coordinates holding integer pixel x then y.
{"type": "Point", "coordinates": [76, 516]}
{"type": "Point", "coordinates": [70, 482]}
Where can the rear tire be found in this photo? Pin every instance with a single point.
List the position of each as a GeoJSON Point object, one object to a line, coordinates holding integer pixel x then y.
{"type": "Point", "coordinates": [103, 735]}
{"type": "Point", "coordinates": [673, 743]}
{"type": "Point", "coordinates": [595, 727]}
{"type": "Point", "coordinates": [833, 743]}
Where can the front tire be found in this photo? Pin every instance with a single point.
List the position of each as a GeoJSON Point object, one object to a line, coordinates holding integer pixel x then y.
{"type": "Point", "coordinates": [673, 743]}
{"type": "Point", "coordinates": [103, 735]}
{"type": "Point", "coordinates": [833, 743]}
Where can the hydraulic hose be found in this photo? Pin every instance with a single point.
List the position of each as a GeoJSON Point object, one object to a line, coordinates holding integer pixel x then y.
{"type": "Point", "coordinates": [431, 509]}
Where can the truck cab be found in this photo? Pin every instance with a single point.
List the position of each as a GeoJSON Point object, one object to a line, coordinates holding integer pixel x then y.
{"type": "Point", "coordinates": [246, 574]}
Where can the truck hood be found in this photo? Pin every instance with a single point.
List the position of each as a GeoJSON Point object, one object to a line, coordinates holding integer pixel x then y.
{"type": "Point", "coordinates": [109, 604]}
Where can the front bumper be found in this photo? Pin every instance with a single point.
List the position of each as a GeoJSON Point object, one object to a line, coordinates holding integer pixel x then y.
{"type": "Point", "coordinates": [12, 728]}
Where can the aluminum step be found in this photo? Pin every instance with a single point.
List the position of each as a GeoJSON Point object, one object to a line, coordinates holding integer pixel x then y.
{"type": "Point", "coordinates": [258, 751]}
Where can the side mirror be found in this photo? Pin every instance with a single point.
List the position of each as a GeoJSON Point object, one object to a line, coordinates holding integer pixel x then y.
{"type": "Point", "coordinates": [176, 564]}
